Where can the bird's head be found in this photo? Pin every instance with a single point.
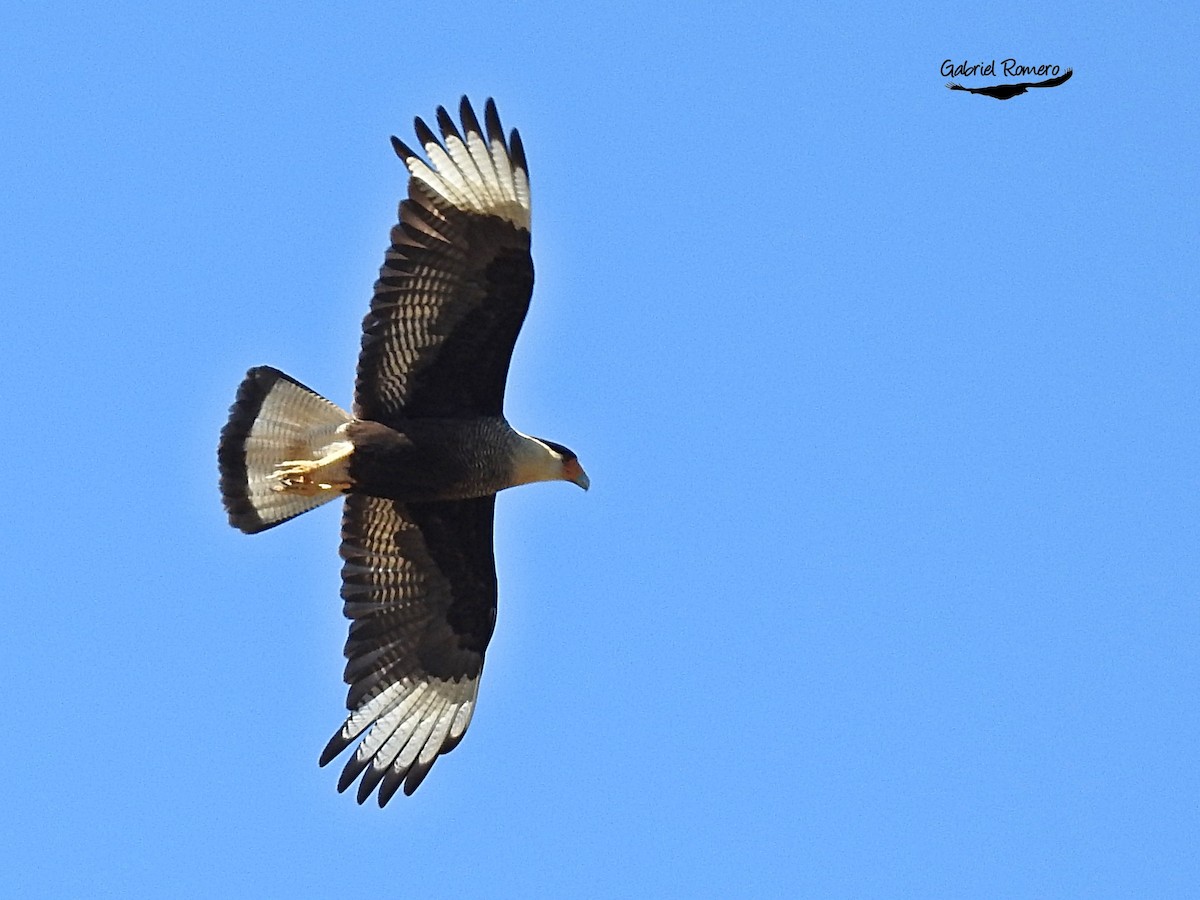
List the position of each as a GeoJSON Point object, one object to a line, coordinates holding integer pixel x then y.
{"type": "Point", "coordinates": [570, 469]}
{"type": "Point", "coordinates": [547, 461]}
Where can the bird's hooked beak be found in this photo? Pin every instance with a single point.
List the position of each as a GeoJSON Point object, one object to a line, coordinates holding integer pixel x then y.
{"type": "Point", "coordinates": [573, 472]}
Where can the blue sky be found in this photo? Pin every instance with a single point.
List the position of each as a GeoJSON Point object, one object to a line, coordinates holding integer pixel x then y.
{"type": "Point", "coordinates": [887, 582]}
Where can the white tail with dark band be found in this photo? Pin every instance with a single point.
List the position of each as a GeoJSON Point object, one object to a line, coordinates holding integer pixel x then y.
{"type": "Point", "coordinates": [275, 419]}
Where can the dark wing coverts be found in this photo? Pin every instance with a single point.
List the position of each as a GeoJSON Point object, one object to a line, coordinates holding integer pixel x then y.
{"type": "Point", "coordinates": [419, 580]}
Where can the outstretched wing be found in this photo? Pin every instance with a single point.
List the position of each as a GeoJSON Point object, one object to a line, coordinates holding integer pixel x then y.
{"type": "Point", "coordinates": [456, 281]}
{"type": "Point", "coordinates": [1049, 82]}
{"type": "Point", "coordinates": [419, 585]}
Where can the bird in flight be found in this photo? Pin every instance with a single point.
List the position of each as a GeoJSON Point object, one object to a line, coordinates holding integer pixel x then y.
{"type": "Point", "coordinates": [419, 458]}
{"type": "Point", "coordinates": [1008, 91]}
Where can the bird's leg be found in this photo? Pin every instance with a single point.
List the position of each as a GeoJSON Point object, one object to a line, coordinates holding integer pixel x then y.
{"type": "Point", "coordinates": [309, 477]}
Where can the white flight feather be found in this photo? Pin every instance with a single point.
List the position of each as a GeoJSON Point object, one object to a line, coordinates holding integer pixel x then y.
{"type": "Point", "coordinates": [418, 736]}
{"type": "Point", "coordinates": [487, 171]}
{"type": "Point", "coordinates": [384, 729]}
{"type": "Point", "coordinates": [437, 736]}
{"type": "Point", "coordinates": [462, 718]}
{"type": "Point", "coordinates": [468, 172]}
{"type": "Point", "coordinates": [399, 739]}
{"type": "Point", "coordinates": [462, 194]}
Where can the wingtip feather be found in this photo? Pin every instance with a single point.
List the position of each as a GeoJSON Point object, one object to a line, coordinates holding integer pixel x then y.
{"type": "Point", "coordinates": [402, 149]}
{"type": "Point", "coordinates": [495, 131]}
{"type": "Point", "coordinates": [517, 152]}
{"type": "Point", "coordinates": [425, 135]}
{"type": "Point", "coordinates": [370, 779]}
{"type": "Point", "coordinates": [333, 749]}
{"type": "Point", "coordinates": [446, 124]}
{"type": "Point", "coordinates": [467, 113]}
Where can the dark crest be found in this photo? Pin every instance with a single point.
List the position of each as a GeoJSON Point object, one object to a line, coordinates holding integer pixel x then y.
{"type": "Point", "coordinates": [567, 453]}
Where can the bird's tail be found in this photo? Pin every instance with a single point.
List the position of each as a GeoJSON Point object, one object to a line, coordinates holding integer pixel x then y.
{"type": "Point", "coordinates": [955, 86]}
{"type": "Point", "coordinates": [274, 420]}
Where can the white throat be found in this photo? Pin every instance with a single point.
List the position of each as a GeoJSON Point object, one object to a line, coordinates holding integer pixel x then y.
{"type": "Point", "coordinates": [534, 461]}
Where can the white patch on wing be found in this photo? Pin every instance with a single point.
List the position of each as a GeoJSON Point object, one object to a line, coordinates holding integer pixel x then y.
{"type": "Point", "coordinates": [447, 171]}
{"type": "Point", "coordinates": [474, 175]}
{"type": "Point", "coordinates": [424, 705]}
{"type": "Point", "coordinates": [466, 167]}
{"type": "Point", "coordinates": [396, 722]}
{"type": "Point", "coordinates": [487, 171]}
{"type": "Point", "coordinates": [410, 723]}
{"type": "Point", "coordinates": [416, 726]}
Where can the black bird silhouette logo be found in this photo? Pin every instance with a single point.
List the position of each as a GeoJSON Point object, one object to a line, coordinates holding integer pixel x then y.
{"type": "Point", "coordinates": [1008, 91]}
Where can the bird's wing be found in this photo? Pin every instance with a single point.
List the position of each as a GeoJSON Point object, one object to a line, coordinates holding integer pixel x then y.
{"type": "Point", "coordinates": [456, 281]}
{"type": "Point", "coordinates": [1049, 82]}
{"type": "Point", "coordinates": [419, 585]}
